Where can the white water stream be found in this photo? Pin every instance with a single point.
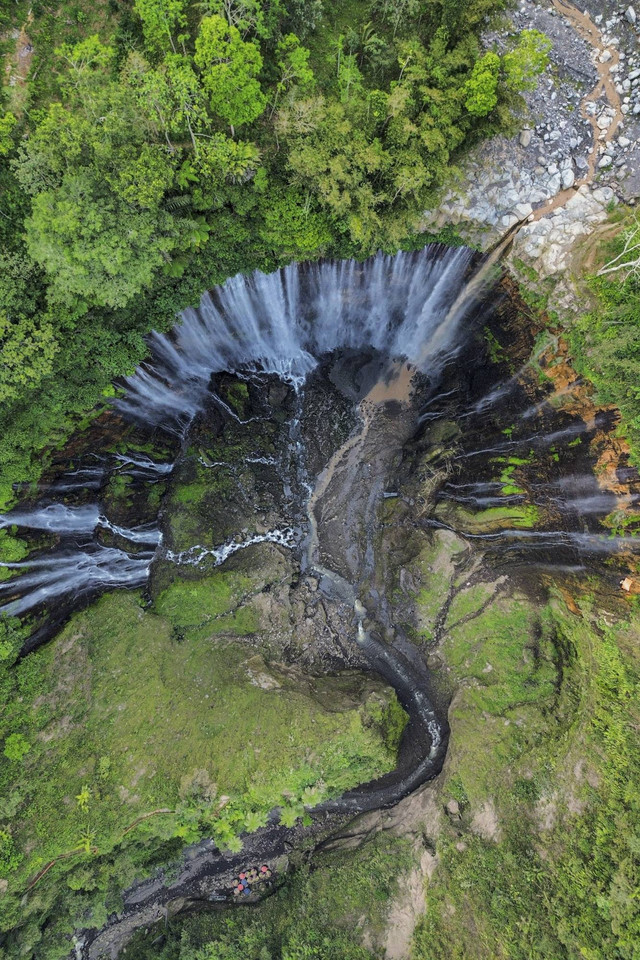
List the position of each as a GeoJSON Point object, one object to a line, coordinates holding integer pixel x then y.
{"type": "Point", "coordinates": [195, 555]}
{"type": "Point", "coordinates": [283, 322]}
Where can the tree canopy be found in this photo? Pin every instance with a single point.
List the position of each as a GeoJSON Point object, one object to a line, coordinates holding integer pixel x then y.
{"type": "Point", "coordinates": [229, 70]}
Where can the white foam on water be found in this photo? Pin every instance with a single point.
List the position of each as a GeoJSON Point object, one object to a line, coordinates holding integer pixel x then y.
{"type": "Point", "coordinates": [283, 322]}
{"type": "Point", "coordinates": [196, 554]}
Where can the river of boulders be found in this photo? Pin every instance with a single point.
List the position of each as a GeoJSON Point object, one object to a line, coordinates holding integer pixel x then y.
{"type": "Point", "coordinates": [505, 180]}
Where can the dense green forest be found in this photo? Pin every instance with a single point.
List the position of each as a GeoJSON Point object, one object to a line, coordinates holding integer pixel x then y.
{"type": "Point", "coordinates": [605, 340]}
{"type": "Point", "coordinates": [160, 146]}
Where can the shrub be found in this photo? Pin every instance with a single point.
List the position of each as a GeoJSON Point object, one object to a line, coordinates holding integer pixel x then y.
{"type": "Point", "coordinates": [16, 746]}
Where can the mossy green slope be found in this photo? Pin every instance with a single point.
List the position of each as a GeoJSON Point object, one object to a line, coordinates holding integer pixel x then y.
{"type": "Point", "coordinates": [539, 857]}
{"type": "Point", "coordinates": [532, 828]}
{"type": "Point", "coordinates": [149, 728]}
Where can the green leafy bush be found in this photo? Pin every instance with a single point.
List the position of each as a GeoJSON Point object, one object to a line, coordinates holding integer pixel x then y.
{"type": "Point", "coordinates": [9, 856]}
{"type": "Point", "coordinates": [16, 746]}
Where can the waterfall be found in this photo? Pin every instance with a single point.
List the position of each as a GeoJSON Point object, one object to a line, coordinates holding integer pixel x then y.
{"type": "Point", "coordinates": [56, 518]}
{"type": "Point", "coordinates": [65, 520]}
{"type": "Point", "coordinates": [283, 322]}
{"type": "Point", "coordinates": [73, 570]}
{"type": "Point", "coordinates": [405, 307]}
{"type": "Point", "coordinates": [77, 572]}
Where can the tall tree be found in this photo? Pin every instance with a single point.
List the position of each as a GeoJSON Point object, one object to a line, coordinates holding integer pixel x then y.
{"type": "Point", "coordinates": [27, 349]}
{"type": "Point", "coordinates": [96, 248]}
{"type": "Point", "coordinates": [293, 67]}
{"type": "Point", "coordinates": [528, 59]}
{"type": "Point", "coordinates": [481, 89]}
{"type": "Point", "coordinates": [230, 67]}
{"type": "Point", "coordinates": [161, 22]}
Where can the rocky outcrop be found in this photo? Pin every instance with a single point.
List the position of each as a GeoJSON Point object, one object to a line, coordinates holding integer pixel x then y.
{"type": "Point", "coordinates": [549, 241]}
{"type": "Point", "coordinates": [577, 151]}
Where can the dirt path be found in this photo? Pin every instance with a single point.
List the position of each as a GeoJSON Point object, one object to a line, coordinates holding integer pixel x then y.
{"type": "Point", "coordinates": [18, 65]}
{"type": "Point", "coordinates": [588, 31]}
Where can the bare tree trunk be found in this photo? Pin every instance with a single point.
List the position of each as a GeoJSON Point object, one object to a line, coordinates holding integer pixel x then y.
{"type": "Point", "coordinates": [627, 259]}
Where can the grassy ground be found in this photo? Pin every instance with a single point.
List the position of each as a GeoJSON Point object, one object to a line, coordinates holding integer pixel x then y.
{"type": "Point", "coordinates": [512, 517]}
{"type": "Point", "coordinates": [536, 854]}
{"type": "Point", "coordinates": [216, 602]}
{"type": "Point", "coordinates": [131, 711]}
{"type": "Point", "coordinates": [501, 665]}
{"type": "Point", "coordinates": [535, 818]}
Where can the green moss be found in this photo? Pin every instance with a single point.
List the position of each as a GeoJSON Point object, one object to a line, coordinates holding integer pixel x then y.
{"type": "Point", "coordinates": [191, 603]}
{"type": "Point", "coordinates": [238, 397]}
{"type": "Point", "coordinates": [496, 350]}
{"type": "Point", "coordinates": [201, 506]}
{"type": "Point", "coordinates": [513, 517]}
{"type": "Point", "coordinates": [12, 550]}
{"type": "Point", "coordinates": [509, 488]}
{"type": "Point", "coordinates": [468, 603]}
{"type": "Point", "coordinates": [190, 493]}
{"type": "Point", "coordinates": [389, 718]}
{"type": "Point", "coordinates": [435, 569]}
{"type": "Point", "coordinates": [194, 510]}
{"type": "Point", "coordinates": [513, 462]}
{"type": "Point", "coordinates": [155, 495]}
{"type": "Point", "coordinates": [119, 488]}
{"type": "Point", "coordinates": [130, 704]}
